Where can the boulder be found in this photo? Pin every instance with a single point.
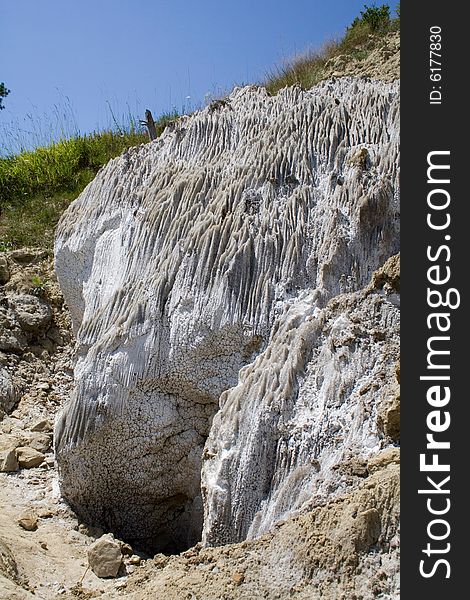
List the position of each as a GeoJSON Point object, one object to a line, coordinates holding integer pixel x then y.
{"type": "Point", "coordinates": [12, 338]}
{"type": "Point", "coordinates": [105, 556]}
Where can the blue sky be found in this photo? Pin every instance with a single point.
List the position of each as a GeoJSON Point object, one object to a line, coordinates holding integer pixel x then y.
{"type": "Point", "coordinates": [88, 57]}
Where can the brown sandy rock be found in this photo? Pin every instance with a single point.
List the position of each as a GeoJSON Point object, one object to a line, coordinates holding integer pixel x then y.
{"type": "Point", "coordinates": [28, 521]}
{"type": "Point", "coordinates": [43, 426]}
{"type": "Point", "coordinates": [105, 556]}
{"type": "Point", "coordinates": [29, 457]}
{"type": "Point", "coordinates": [39, 441]}
{"type": "Point", "coordinates": [383, 459]}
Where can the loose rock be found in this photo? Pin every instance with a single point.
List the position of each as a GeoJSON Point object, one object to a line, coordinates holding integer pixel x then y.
{"type": "Point", "coordinates": [9, 393]}
{"type": "Point", "coordinates": [27, 255]}
{"type": "Point", "coordinates": [40, 442]}
{"type": "Point", "coordinates": [105, 556]}
{"type": "Point", "coordinates": [43, 426]}
{"type": "Point", "coordinates": [32, 313]}
{"type": "Point", "coordinates": [238, 578]}
{"type": "Point", "coordinates": [28, 521]}
{"type": "Point", "coordinates": [8, 461]}
{"type": "Point", "coordinates": [28, 457]}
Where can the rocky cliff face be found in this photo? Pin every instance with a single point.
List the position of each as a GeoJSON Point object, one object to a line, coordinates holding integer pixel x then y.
{"type": "Point", "coordinates": [219, 285]}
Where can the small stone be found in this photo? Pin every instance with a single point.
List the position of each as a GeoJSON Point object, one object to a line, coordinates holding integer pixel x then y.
{"type": "Point", "coordinates": [9, 392]}
{"type": "Point", "coordinates": [126, 549]}
{"type": "Point", "coordinates": [4, 270]}
{"type": "Point", "coordinates": [29, 458]}
{"type": "Point", "coordinates": [238, 577]}
{"type": "Point", "coordinates": [134, 560]}
{"type": "Point", "coordinates": [43, 545]}
{"type": "Point", "coordinates": [394, 542]}
{"type": "Point", "coordinates": [28, 521]}
{"type": "Point", "coordinates": [43, 426]}
{"type": "Point", "coordinates": [12, 340]}
{"type": "Point", "coordinates": [105, 556]}
{"type": "Point", "coordinates": [43, 386]}
{"type": "Point", "coordinates": [161, 560]}
{"type": "Point", "coordinates": [8, 461]}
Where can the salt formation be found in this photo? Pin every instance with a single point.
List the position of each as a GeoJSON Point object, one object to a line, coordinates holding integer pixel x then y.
{"type": "Point", "coordinates": [305, 414]}
{"type": "Point", "coordinates": [199, 269]}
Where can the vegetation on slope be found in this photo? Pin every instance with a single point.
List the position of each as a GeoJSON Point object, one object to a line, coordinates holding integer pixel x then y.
{"type": "Point", "coordinates": [37, 186]}
{"type": "Point", "coordinates": [361, 37]}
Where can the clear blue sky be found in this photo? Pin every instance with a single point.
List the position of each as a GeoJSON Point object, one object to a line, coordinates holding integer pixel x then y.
{"type": "Point", "coordinates": [138, 54]}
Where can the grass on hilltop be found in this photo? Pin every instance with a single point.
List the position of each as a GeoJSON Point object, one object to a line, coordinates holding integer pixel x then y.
{"type": "Point", "coordinates": [360, 39]}
{"type": "Point", "coordinates": [37, 186]}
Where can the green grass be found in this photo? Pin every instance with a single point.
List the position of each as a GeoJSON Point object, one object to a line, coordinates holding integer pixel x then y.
{"type": "Point", "coordinates": [64, 166]}
{"type": "Point", "coordinates": [360, 39]}
{"type": "Point", "coordinates": [37, 186]}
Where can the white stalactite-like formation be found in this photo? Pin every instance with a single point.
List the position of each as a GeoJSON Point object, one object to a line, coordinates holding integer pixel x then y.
{"type": "Point", "coordinates": [198, 270]}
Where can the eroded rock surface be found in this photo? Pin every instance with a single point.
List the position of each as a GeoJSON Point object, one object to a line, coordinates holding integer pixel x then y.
{"type": "Point", "coordinates": [305, 415]}
{"type": "Point", "coordinates": [207, 261]}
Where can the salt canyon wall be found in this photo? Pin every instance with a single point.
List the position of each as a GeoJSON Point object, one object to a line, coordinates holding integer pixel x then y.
{"type": "Point", "coordinates": [233, 315]}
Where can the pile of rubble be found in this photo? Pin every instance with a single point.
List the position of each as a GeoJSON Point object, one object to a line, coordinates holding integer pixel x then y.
{"type": "Point", "coordinates": [35, 358]}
